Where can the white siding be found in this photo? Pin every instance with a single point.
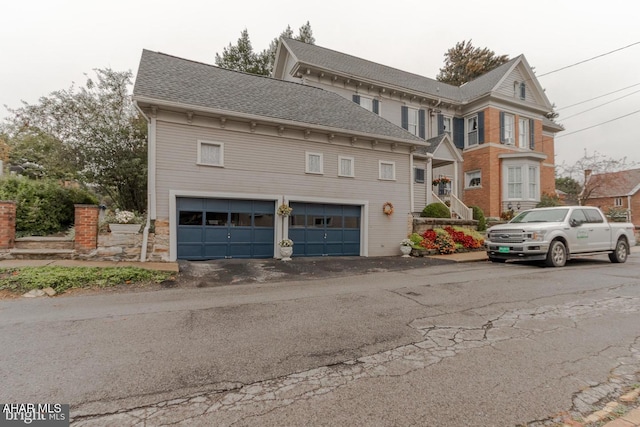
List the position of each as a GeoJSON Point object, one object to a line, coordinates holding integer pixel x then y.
{"type": "Point", "coordinates": [264, 164]}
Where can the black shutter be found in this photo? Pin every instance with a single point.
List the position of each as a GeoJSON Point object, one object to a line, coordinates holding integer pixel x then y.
{"type": "Point", "coordinates": [376, 106]}
{"type": "Point", "coordinates": [458, 132]}
{"type": "Point", "coordinates": [440, 124]}
{"type": "Point", "coordinates": [404, 117]}
{"type": "Point", "coordinates": [532, 134]}
{"type": "Point", "coordinates": [421, 124]}
{"type": "Point", "coordinates": [501, 127]}
{"type": "Point", "coordinates": [356, 99]}
{"type": "Point", "coordinates": [481, 127]}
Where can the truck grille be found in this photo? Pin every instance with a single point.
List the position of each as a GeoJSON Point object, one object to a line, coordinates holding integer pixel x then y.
{"type": "Point", "coordinates": [507, 236]}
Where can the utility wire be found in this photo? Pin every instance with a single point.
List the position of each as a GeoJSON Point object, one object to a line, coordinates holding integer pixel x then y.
{"type": "Point", "coordinates": [597, 97]}
{"type": "Point", "coordinates": [587, 60]}
{"type": "Point", "coordinates": [599, 124]}
{"type": "Point", "coordinates": [601, 105]}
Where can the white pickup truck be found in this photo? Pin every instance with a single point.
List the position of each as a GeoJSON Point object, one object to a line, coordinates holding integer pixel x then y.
{"type": "Point", "coordinates": [556, 234]}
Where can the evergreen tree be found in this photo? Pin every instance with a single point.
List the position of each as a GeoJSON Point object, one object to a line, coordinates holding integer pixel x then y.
{"type": "Point", "coordinates": [241, 56]}
{"type": "Point", "coordinates": [464, 63]}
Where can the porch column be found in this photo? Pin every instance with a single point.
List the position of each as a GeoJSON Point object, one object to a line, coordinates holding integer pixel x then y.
{"type": "Point", "coordinates": [428, 180]}
{"type": "Point", "coordinates": [456, 174]}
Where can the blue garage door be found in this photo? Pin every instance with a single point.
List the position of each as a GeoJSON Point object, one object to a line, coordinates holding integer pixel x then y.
{"type": "Point", "coordinates": [324, 229]}
{"type": "Point", "coordinates": [225, 228]}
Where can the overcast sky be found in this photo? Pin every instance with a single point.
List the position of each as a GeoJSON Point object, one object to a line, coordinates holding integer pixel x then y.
{"type": "Point", "coordinates": [46, 45]}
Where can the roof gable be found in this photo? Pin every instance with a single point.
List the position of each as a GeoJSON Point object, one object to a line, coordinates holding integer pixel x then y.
{"type": "Point", "coordinates": [196, 85]}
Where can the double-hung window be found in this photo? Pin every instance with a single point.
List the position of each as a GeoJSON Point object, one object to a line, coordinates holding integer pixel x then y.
{"type": "Point", "coordinates": [418, 175]}
{"type": "Point", "coordinates": [533, 182]}
{"type": "Point", "coordinates": [210, 153]}
{"type": "Point", "coordinates": [523, 133]}
{"type": "Point", "coordinates": [412, 121]}
{"type": "Point", "coordinates": [346, 166]}
{"type": "Point", "coordinates": [472, 131]}
{"type": "Point", "coordinates": [508, 130]}
{"type": "Point", "coordinates": [387, 170]}
{"type": "Point", "coordinates": [446, 125]}
{"type": "Point", "coordinates": [314, 163]}
{"type": "Point", "coordinates": [514, 182]}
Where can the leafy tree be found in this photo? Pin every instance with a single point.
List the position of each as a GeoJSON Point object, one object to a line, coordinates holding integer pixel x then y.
{"type": "Point", "coordinates": [464, 62]}
{"type": "Point", "coordinates": [570, 187]}
{"type": "Point", "coordinates": [241, 56]}
{"type": "Point", "coordinates": [93, 133]}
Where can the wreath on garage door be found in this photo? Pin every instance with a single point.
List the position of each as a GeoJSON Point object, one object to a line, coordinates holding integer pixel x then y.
{"type": "Point", "coordinates": [387, 208]}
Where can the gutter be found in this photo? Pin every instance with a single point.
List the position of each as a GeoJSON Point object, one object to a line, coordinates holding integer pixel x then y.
{"type": "Point", "coordinates": [150, 181]}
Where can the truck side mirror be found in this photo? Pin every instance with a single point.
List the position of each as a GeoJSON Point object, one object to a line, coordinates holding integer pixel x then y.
{"type": "Point", "coordinates": [574, 222]}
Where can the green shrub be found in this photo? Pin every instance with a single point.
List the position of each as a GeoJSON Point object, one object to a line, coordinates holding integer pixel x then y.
{"type": "Point", "coordinates": [436, 210]}
{"type": "Point", "coordinates": [62, 278]}
{"type": "Point", "coordinates": [478, 215]}
{"type": "Point", "coordinates": [549, 200]}
{"type": "Point", "coordinates": [42, 206]}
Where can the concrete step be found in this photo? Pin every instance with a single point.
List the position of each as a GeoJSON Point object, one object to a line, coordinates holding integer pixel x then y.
{"type": "Point", "coordinates": [44, 243]}
{"type": "Point", "coordinates": [42, 253]}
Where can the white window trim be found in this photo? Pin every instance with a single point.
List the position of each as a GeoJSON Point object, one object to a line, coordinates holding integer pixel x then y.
{"type": "Point", "coordinates": [384, 162]}
{"type": "Point", "coordinates": [522, 144]}
{"type": "Point", "coordinates": [450, 119]}
{"type": "Point", "coordinates": [467, 179]}
{"type": "Point", "coordinates": [467, 131]}
{"type": "Point", "coordinates": [617, 202]}
{"type": "Point", "coordinates": [306, 166]}
{"type": "Point", "coordinates": [524, 167]}
{"type": "Point", "coordinates": [199, 160]}
{"type": "Point", "coordinates": [353, 166]}
{"type": "Point", "coordinates": [512, 140]}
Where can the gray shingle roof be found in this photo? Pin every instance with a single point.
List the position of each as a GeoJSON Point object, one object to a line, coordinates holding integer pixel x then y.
{"type": "Point", "coordinates": [167, 78]}
{"type": "Point", "coordinates": [343, 63]}
{"type": "Point", "coordinates": [357, 67]}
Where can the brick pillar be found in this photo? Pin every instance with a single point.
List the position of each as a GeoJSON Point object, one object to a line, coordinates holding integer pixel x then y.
{"type": "Point", "coordinates": [86, 225]}
{"type": "Point", "coordinates": [7, 224]}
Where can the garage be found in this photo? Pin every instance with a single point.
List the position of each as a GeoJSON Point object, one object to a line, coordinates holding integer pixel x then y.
{"type": "Point", "coordinates": [325, 229]}
{"type": "Point", "coordinates": [224, 228]}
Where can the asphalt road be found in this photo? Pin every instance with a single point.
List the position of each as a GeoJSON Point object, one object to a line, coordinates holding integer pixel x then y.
{"type": "Point", "coordinates": [473, 344]}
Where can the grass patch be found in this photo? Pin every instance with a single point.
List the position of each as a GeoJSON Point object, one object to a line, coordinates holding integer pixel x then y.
{"type": "Point", "coordinates": [62, 278]}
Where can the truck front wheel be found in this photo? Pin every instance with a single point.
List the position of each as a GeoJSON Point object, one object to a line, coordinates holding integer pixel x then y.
{"type": "Point", "coordinates": [557, 255]}
{"type": "Point", "coordinates": [620, 253]}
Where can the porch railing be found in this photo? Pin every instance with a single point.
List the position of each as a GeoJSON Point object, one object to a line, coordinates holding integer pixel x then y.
{"type": "Point", "coordinates": [456, 207]}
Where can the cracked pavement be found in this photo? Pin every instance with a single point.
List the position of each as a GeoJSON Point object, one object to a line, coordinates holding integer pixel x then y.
{"type": "Point", "coordinates": [440, 342]}
{"type": "Point", "coordinates": [445, 345]}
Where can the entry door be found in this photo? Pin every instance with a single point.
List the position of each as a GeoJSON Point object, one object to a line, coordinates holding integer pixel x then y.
{"type": "Point", "coordinates": [325, 229]}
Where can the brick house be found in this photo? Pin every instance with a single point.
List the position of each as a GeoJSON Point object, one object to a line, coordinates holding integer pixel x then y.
{"type": "Point", "coordinates": [617, 191]}
{"type": "Point", "coordinates": [498, 123]}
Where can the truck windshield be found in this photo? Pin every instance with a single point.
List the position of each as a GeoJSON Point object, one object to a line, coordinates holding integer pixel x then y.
{"type": "Point", "coordinates": [551, 215]}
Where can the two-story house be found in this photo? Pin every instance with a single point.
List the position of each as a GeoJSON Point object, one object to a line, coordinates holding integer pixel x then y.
{"type": "Point", "coordinates": [226, 149]}
{"type": "Point", "coordinates": [490, 138]}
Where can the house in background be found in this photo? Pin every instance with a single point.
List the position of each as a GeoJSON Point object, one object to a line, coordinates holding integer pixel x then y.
{"type": "Point", "coordinates": [497, 123]}
{"type": "Point", "coordinates": [226, 149]}
{"type": "Point", "coordinates": [617, 192]}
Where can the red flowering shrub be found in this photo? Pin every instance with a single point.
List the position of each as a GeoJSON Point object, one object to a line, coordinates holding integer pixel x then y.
{"type": "Point", "coordinates": [449, 239]}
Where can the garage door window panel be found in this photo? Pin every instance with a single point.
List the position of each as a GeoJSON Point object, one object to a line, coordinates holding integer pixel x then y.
{"type": "Point", "coordinates": [190, 218]}
{"type": "Point", "coordinates": [217, 219]}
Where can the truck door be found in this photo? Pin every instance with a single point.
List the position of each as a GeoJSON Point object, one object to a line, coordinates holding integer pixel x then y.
{"type": "Point", "coordinates": [578, 233]}
{"type": "Point", "coordinates": [599, 231]}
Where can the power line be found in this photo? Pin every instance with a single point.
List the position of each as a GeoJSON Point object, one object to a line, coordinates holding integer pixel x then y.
{"type": "Point", "coordinates": [587, 60]}
{"type": "Point", "coordinates": [601, 105]}
{"type": "Point", "coordinates": [599, 124]}
{"type": "Point", "coordinates": [597, 97]}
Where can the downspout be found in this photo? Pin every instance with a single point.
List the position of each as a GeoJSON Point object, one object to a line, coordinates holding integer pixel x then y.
{"type": "Point", "coordinates": [151, 134]}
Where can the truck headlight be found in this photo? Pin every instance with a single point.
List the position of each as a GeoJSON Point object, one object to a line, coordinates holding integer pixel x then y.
{"type": "Point", "coordinates": [537, 235]}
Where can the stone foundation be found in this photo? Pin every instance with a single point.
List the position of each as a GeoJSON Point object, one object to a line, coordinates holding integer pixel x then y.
{"type": "Point", "coordinates": [420, 225]}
